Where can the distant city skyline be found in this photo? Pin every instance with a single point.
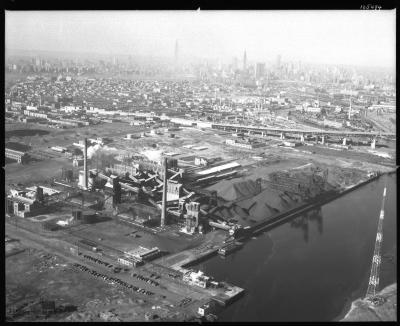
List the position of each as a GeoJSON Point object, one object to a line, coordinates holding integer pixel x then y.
{"type": "Point", "coordinates": [362, 38]}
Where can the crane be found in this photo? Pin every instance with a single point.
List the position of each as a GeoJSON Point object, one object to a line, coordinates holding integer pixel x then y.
{"type": "Point", "coordinates": [376, 259]}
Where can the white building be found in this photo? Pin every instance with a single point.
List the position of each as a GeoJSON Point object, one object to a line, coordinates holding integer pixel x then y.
{"type": "Point", "coordinates": [312, 109]}
{"type": "Point", "coordinates": [196, 278]}
{"type": "Point", "coordinates": [333, 124]}
{"type": "Point", "coordinates": [206, 308]}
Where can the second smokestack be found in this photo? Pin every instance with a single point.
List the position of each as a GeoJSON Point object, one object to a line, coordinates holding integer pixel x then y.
{"type": "Point", "coordinates": [85, 171]}
{"type": "Point", "coordinates": [164, 197]}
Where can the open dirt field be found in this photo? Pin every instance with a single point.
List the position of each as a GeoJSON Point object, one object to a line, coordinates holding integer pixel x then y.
{"type": "Point", "coordinates": [117, 236]}
{"type": "Point", "coordinates": [35, 171]}
{"type": "Point", "coordinates": [31, 275]}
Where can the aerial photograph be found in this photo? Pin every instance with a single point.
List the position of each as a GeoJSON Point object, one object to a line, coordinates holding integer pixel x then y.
{"type": "Point", "coordinates": [200, 166]}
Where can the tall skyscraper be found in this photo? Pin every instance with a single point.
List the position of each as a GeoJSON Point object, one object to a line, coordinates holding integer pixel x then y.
{"type": "Point", "coordinates": [244, 60]}
{"type": "Point", "coordinates": [235, 63]}
{"type": "Point", "coordinates": [176, 51]}
{"type": "Point", "coordinates": [260, 70]}
{"type": "Point", "coordinates": [278, 61]}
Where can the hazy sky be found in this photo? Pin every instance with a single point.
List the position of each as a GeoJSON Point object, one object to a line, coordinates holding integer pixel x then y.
{"type": "Point", "coordinates": [365, 37]}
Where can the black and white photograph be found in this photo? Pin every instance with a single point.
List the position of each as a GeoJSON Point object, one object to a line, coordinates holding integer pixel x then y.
{"type": "Point", "coordinates": [200, 165]}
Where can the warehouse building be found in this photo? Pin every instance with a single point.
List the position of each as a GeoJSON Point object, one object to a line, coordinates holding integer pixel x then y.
{"type": "Point", "coordinates": [23, 206]}
{"type": "Point", "coordinates": [130, 261]}
{"type": "Point", "coordinates": [142, 253]}
{"type": "Point", "coordinates": [220, 168]}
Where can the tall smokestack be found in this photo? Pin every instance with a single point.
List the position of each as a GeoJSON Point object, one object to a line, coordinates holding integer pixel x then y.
{"type": "Point", "coordinates": [350, 109]}
{"type": "Point", "coordinates": [85, 171]}
{"type": "Point", "coordinates": [164, 197]}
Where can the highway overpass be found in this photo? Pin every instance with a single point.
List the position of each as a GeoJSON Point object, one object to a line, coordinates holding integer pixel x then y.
{"type": "Point", "coordinates": [320, 132]}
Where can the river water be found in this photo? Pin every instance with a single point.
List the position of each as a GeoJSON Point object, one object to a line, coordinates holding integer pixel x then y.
{"type": "Point", "coordinates": [310, 269]}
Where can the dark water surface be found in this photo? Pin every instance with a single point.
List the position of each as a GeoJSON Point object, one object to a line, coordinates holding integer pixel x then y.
{"type": "Point", "coordinates": [308, 269]}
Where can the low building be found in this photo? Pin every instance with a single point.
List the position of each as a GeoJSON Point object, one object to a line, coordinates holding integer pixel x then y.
{"type": "Point", "coordinates": [291, 144]}
{"type": "Point", "coordinates": [332, 123]}
{"type": "Point", "coordinates": [207, 308]}
{"type": "Point", "coordinates": [312, 109]}
{"type": "Point", "coordinates": [129, 261]}
{"type": "Point", "coordinates": [244, 144]}
{"type": "Point", "coordinates": [58, 149]}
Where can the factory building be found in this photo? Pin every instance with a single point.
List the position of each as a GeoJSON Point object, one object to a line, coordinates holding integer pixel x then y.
{"type": "Point", "coordinates": [123, 169]}
{"type": "Point", "coordinates": [87, 244]}
{"type": "Point", "coordinates": [291, 144]}
{"type": "Point", "coordinates": [174, 190]}
{"type": "Point", "coordinates": [25, 204]}
{"type": "Point", "coordinates": [312, 109]}
{"type": "Point", "coordinates": [19, 156]}
{"type": "Point", "coordinates": [333, 124]}
{"type": "Point", "coordinates": [220, 168]}
{"type": "Point", "coordinates": [130, 261]}
{"type": "Point", "coordinates": [22, 207]}
{"type": "Point", "coordinates": [200, 161]}
{"type": "Point", "coordinates": [196, 278]}
{"type": "Point", "coordinates": [191, 217]}
{"type": "Point", "coordinates": [244, 144]}
{"type": "Point", "coordinates": [142, 253]}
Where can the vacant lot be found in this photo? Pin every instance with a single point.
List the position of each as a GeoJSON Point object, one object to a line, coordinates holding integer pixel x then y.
{"type": "Point", "coordinates": [118, 236]}
{"type": "Point", "coordinates": [32, 275]}
{"type": "Point", "coordinates": [34, 171]}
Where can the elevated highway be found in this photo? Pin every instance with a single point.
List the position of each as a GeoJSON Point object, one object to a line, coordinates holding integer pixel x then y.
{"type": "Point", "coordinates": [313, 131]}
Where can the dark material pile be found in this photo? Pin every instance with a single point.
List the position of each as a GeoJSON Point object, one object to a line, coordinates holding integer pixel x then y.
{"type": "Point", "coordinates": [308, 182]}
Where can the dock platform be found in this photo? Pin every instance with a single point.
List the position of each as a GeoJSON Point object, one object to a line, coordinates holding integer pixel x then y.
{"type": "Point", "coordinates": [229, 294]}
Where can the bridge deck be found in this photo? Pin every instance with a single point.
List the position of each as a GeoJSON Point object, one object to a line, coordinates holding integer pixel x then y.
{"type": "Point", "coordinates": [303, 131]}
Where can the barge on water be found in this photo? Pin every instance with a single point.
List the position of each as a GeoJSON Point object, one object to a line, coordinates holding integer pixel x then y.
{"type": "Point", "coordinates": [229, 248]}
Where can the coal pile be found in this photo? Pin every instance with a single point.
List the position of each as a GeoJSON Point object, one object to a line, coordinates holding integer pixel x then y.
{"type": "Point", "coordinates": [307, 182]}
{"type": "Point", "coordinates": [231, 190]}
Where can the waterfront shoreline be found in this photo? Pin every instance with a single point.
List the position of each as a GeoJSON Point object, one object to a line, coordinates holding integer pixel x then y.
{"type": "Point", "coordinates": [303, 208]}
